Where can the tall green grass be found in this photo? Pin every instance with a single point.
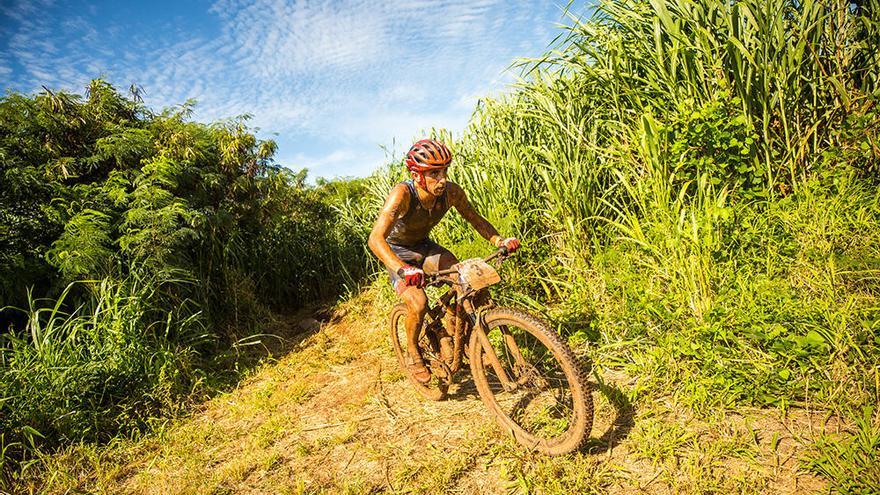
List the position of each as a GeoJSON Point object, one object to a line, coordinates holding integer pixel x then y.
{"type": "Point", "coordinates": [130, 351]}
{"type": "Point", "coordinates": [695, 182]}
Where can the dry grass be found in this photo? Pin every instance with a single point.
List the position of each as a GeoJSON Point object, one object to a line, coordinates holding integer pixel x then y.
{"type": "Point", "coordinates": [335, 415]}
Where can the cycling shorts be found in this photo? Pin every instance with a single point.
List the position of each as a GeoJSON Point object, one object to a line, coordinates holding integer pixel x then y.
{"type": "Point", "coordinates": [415, 255]}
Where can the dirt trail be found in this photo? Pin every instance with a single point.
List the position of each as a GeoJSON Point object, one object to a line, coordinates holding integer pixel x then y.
{"type": "Point", "coordinates": [335, 415]}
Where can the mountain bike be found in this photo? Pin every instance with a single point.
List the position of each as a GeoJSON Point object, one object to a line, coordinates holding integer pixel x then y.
{"type": "Point", "coordinates": [523, 370]}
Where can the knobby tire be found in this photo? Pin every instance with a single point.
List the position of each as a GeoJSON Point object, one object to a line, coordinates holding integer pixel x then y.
{"type": "Point", "coordinates": [579, 419]}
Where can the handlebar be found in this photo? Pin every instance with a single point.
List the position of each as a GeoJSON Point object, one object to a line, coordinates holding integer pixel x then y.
{"type": "Point", "coordinates": [433, 278]}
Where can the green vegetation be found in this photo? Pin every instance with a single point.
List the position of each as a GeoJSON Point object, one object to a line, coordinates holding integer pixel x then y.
{"type": "Point", "coordinates": [139, 253]}
{"type": "Point", "coordinates": [696, 185]}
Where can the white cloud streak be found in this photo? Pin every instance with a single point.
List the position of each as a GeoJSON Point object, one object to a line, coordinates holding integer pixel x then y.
{"type": "Point", "coordinates": [332, 78]}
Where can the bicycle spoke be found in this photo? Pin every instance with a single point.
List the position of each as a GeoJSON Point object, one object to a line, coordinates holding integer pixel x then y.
{"type": "Point", "coordinates": [541, 403]}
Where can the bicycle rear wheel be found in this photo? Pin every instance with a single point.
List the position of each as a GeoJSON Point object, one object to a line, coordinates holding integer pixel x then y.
{"type": "Point", "coordinates": [436, 388]}
{"type": "Point", "coordinates": [546, 404]}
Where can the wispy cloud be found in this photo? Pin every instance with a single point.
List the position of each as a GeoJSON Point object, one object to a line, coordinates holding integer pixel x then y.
{"type": "Point", "coordinates": [330, 79]}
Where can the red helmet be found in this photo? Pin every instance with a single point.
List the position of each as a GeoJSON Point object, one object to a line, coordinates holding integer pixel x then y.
{"type": "Point", "coordinates": [427, 154]}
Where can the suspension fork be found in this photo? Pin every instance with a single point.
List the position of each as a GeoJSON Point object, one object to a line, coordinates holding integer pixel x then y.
{"type": "Point", "coordinates": [479, 326]}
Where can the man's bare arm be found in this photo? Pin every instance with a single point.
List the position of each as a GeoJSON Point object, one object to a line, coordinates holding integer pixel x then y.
{"type": "Point", "coordinates": [463, 206]}
{"type": "Point", "coordinates": [395, 207]}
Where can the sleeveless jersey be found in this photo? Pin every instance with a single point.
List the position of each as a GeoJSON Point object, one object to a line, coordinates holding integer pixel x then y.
{"type": "Point", "coordinates": [418, 221]}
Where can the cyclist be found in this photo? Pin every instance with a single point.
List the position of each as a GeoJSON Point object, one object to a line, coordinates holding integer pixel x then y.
{"type": "Point", "coordinates": [400, 237]}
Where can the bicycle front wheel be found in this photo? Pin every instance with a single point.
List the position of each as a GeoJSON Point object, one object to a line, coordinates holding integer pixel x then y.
{"type": "Point", "coordinates": [535, 389]}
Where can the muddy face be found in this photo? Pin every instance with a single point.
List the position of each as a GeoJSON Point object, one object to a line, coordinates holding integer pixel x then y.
{"type": "Point", "coordinates": [435, 181]}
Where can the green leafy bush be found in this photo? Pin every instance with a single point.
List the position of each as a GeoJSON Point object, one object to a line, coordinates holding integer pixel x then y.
{"type": "Point", "coordinates": [715, 139]}
{"type": "Point", "coordinates": [857, 142]}
{"type": "Point", "coordinates": [136, 247]}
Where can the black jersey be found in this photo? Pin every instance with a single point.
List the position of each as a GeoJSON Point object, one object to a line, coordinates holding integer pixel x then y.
{"type": "Point", "coordinates": [418, 221]}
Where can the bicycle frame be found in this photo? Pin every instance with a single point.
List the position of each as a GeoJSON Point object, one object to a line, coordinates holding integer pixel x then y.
{"type": "Point", "coordinates": [464, 306]}
{"type": "Point", "coordinates": [524, 372]}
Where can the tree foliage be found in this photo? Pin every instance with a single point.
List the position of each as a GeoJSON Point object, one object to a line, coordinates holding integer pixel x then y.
{"type": "Point", "coordinates": [138, 246]}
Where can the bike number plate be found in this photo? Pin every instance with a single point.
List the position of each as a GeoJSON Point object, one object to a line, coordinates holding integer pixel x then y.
{"type": "Point", "coordinates": [477, 274]}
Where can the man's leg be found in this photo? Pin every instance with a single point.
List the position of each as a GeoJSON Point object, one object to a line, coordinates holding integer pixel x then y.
{"type": "Point", "coordinates": [416, 303]}
{"type": "Point", "coordinates": [439, 259]}
{"type": "Point", "coordinates": [416, 306]}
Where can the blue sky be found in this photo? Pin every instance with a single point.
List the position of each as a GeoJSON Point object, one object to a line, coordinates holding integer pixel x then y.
{"type": "Point", "coordinates": [332, 82]}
